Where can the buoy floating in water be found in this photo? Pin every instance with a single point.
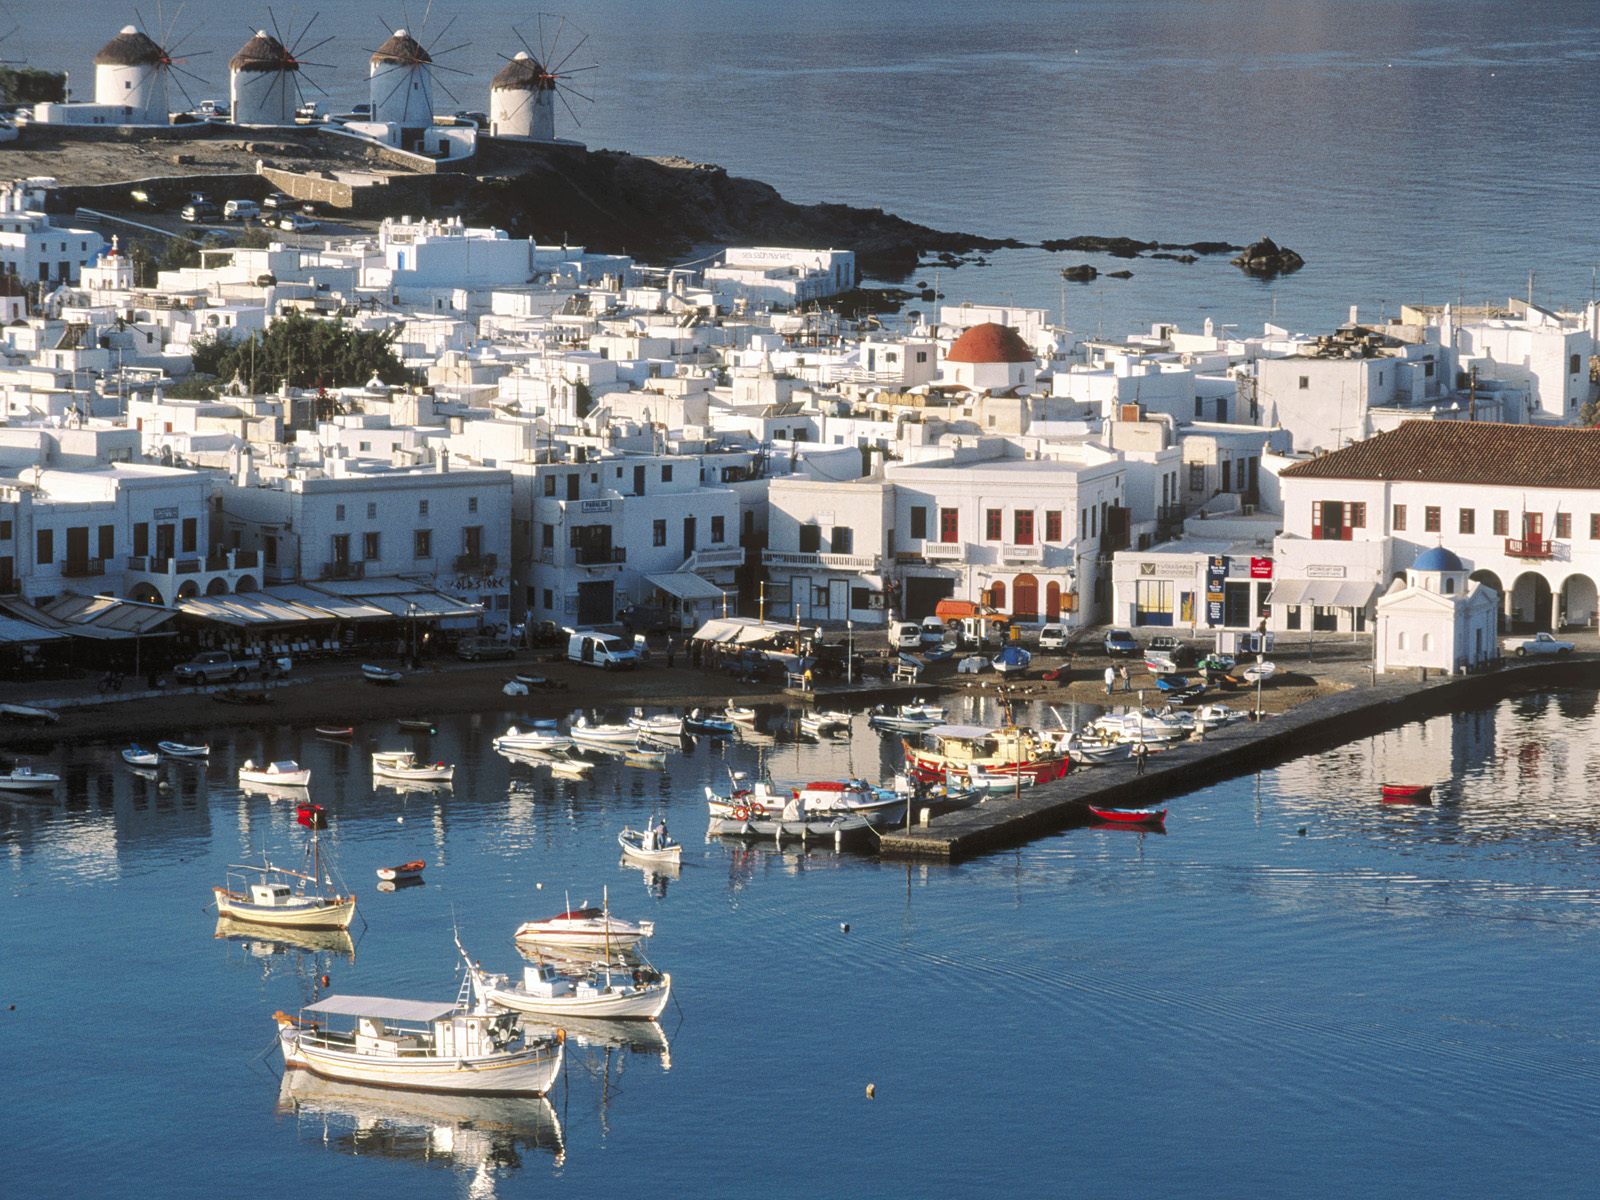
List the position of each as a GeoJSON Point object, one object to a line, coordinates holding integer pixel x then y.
{"type": "Point", "coordinates": [872, 1091]}
{"type": "Point", "coordinates": [844, 926]}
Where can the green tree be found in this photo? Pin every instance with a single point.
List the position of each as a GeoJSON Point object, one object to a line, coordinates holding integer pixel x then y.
{"type": "Point", "coordinates": [307, 351]}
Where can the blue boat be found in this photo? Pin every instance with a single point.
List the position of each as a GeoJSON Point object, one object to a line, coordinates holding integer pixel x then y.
{"type": "Point", "coordinates": [707, 725]}
{"type": "Point", "coordinates": [1012, 660]}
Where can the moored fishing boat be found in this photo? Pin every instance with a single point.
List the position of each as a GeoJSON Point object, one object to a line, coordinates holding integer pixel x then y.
{"type": "Point", "coordinates": [183, 750]}
{"type": "Point", "coordinates": [605, 990]}
{"type": "Point", "coordinates": [380, 675]}
{"type": "Point", "coordinates": [26, 779]}
{"type": "Point", "coordinates": [420, 1045]}
{"type": "Point", "coordinates": [586, 734]}
{"type": "Point", "coordinates": [1129, 816]}
{"type": "Point", "coordinates": [1095, 752]}
{"type": "Point", "coordinates": [336, 731]}
{"type": "Point", "coordinates": [817, 723]}
{"type": "Point", "coordinates": [838, 828]}
{"type": "Point", "coordinates": [282, 897]}
{"type": "Point", "coordinates": [405, 870]}
{"type": "Point", "coordinates": [741, 714]}
{"type": "Point", "coordinates": [539, 738]}
{"type": "Point", "coordinates": [707, 724]}
{"type": "Point", "coordinates": [907, 718]}
{"type": "Point", "coordinates": [585, 928]}
{"type": "Point", "coordinates": [662, 725]}
{"type": "Point", "coordinates": [1260, 672]}
{"type": "Point", "coordinates": [651, 845]}
{"type": "Point", "coordinates": [416, 724]}
{"type": "Point", "coordinates": [27, 712]}
{"type": "Point", "coordinates": [138, 756]}
{"type": "Point", "coordinates": [284, 773]}
{"type": "Point", "coordinates": [1406, 793]}
{"type": "Point", "coordinates": [1217, 716]}
{"type": "Point", "coordinates": [404, 765]}
{"type": "Point", "coordinates": [1012, 660]}
{"type": "Point", "coordinates": [1007, 751]}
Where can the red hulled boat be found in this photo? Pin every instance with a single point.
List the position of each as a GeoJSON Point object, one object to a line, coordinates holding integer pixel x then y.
{"type": "Point", "coordinates": [1130, 816]}
{"type": "Point", "coordinates": [1406, 793]}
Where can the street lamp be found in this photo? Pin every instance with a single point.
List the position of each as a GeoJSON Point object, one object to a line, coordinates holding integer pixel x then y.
{"type": "Point", "coordinates": [849, 652]}
{"type": "Point", "coordinates": [411, 632]}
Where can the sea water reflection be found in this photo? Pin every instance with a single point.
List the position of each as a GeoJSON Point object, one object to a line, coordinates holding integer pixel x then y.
{"type": "Point", "coordinates": [1442, 951]}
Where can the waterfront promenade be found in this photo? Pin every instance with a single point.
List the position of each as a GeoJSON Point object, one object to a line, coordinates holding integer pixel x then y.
{"type": "Point", "coordinates": [1328, 720]}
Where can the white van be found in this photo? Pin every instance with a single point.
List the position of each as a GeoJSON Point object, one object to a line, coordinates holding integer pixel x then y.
{"type": "Point", "coordinates": [602, 650]}
{"type": "Point", "coordinates": [1053, 637]}
{"type": "Point", "coordinates": [905, 635]}
{"type": "Point", "coordinates": [241, 210]}
{"type": "Point", "coordinates": [933, 632]}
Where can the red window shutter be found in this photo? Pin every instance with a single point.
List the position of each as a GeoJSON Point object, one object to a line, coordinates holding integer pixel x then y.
{"type": "Point", "coordinates": [1316, 520]}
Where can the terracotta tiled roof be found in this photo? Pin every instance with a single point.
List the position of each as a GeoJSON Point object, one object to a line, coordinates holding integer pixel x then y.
{"type": "Point", "coordinates": [1471, 452]}
{"type": "Point", "coordinates": [990, 343]}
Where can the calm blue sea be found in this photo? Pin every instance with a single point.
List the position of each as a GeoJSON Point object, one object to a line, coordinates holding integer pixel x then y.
{"type": "Point", "coordinates": [1409, 149]}
{"type": "Point", "coordinates": [1296, 990]}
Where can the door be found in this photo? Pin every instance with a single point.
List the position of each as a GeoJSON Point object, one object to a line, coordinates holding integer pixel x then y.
{"type": "Point", "coordinates": [1532, 528]}
{"type": "Point", "coordinates": [1052, 601]}
{"type": "Point", "coordinates": [596, 604]}
{"type": "Point", "coordinates": [688, 536]}
{"type": "Point", "coordinates": [78, 546]}
{"type": "Point", "coordinates": [923, 593]}
{"type": "Point", "coordinates": [800, 597]}
{"type": "Point", "coordinates": [1025, 598]}
{"type": "Point", "coordinates": [166, 543]}
{"type": "Point", "coordinates": [838, 599]}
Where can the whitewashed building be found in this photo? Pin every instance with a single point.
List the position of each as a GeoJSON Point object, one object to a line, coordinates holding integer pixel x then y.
{"type": "Point", "coordinates": [1436, 618]}
{"type": "Point", "coordinates": [780, 275]}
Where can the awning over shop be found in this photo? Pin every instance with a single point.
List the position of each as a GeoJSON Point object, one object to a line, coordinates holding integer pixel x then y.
{"type": "Point", "coordinates": [1323, 593]}
{"type": "Point", "coordinates": [339, 607]}
{"type": "Point", "coordinates": [398, 597]}
{"type": "Point", "coordinates": [97, 618]}
{"type": "Point", "coordinates": [298, 604]}
{"type": "Point", "coordinates": [251, 610]}
{"type": "Point", "coordinates": [741, 631]}
{"type": "Point", "coordinates": [686, 585]}
{"type": "Point", "coordinates": [13, 630]}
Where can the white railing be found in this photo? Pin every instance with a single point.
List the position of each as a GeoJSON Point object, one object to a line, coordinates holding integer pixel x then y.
{"type": "Point", "coordinates": [1034, 553]}
{"type": "Point", "coordinates": [943, 550]}
{"type": "Point", "coordinates": [836, 562]}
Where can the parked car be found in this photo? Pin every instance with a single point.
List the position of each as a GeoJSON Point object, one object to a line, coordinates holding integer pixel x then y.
{"type": "Point", "coordinates": [199, 210]}
{"type": "Point", "coordinates": [1053, 637]}
{"type": "Point", "coordinates": [1539, 643]}
{"type": "Point", "coordinates": [241, 210]}
{"type": "Point", "coordinates": [1175, 649]}
{"type": "Point", "coordinates": [472, 649]}
{"type": "Point", "coordinates": [140, 198]}
{"type": "Point", "coordinates": [545, 633]}
{"type": "Point", "coordinates": [646, 618]}
{"type": "Point", "coordinates": [278, 202]}
{"type": "Point", "coordinates": [1120, 643]}
{"type": "Point", "coordinates": [905, 635]}
{"type": "Point", "coordinates": [293, 222]}
{"type": "Point", "coordinates": [213, 665]}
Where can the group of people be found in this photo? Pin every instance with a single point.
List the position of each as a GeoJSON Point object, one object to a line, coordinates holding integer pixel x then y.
{"type": "Point", "coordinates": [1115, 674]}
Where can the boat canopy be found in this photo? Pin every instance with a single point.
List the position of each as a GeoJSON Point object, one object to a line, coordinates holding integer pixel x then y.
{"type": "Point", "coordinates": [382, 1008]}
{"type": "Point", "coordinates": [960, 731]}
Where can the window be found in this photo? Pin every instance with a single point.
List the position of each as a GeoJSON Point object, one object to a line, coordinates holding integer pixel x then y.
{"type": "Point", "coordinates": [919, 521]}
{"type": "Point", "coordinates": [372, 510]}
{"type": "Point", "coordinates": [718, 529]}
{"type": "Point", "coordinates": [1575, 364]}
{"type": "Point", "coordinates": [269, 551]}
{"type": "Point", "coordinates": [190, 534]}
{"type": "Point", "coordinates": [1468, 521]}
{"type": "Point", "coordinates": [666, 474]}
{"type": "Point", "coordinates": [1563, 525]}
{"type": "Point", "coordinates": [1594, 526]}
{"type": "Point", "coordinates": [5, 531]}
{"type": "Point", "coordinates": [1333, 520]}
{"type": "Point", "coordinates": [991, 525]}
{"type": "Point", "coordinates": [108, 541]}
{"type": "Point", "coordinates": [549, 490]}
{"type": "Point", "coordinates": [549, 599]}
{"type": "Point", "coordinates": [472, 540]}
{"type": "Point", "coordinates": [338, 512]}
{"type": "Point", "coordinates": [46, 550]}
{"type": "Point", "coordinates": [949, 525]}
{"type": "Point", "coordinates": [364, 447]}
{"type": "Point", "coordinates": [369, 547]}
{"type": "Point", "coordinates": [422, 508]}
{"type": "Point", "coordinates": [1052, 525]}
{"type": "Point", "coordinates": [1197, 477]}
{"type": "Point", "coordinates": [424, 544]}
{"type": "Point", "coordinates": [1430, 518]}
{"type": "Point", "coordinates": [1305, 382]}
{"type": "Point", "coordinates": [547, 535]}
{"type": "Point", "coordinates": [810, 539]}
{"type": "Point", "coordinates": [1227, 475]}
{"type": "Point", "coordinates": [860, 598]}
{"type": "Point", "coordinates": [841, 541]}
{"type": "Point", "coordinates": [1502, 522]}
{"type": "Point", "coordinates": [1399, 518]}
{"type": "Point", "coordinates": [472, 504]}
{"type": "Point", "coordinates": [1199, 408]}
{"type": "Point", "coordinates": [658, 533]}
{"type": "Point", "coordinates": [1022, 527]}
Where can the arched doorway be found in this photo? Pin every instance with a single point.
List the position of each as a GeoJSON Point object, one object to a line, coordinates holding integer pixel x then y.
{"type": "Point", "coordinates": [188, 589]}
{"type": "Point", "coordinates": [1490, 579]}
{"type": "Point", "coordinates": [1577, 601]}
{"type": "Point", "coordinates": [145, 594]}
{"type": "Point", "coordinates": [217, 587]}
{"type": "Point", "coordinates": [1532, 604]}
{"type": "Point", "coordinates": [1052, 601]}
{"type": "Point", "coordinates": [247, 583]}
{"type": "Point", "coordinates": [997, 596]}
{"type": "Point", "coordinates": [1025, 598]}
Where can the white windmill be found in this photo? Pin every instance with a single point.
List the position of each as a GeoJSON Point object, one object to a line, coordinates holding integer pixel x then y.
{"type": "Point", "coordinates": [265, 77]}
{"type": "Point", "coordinates": [132, 71]}
{"type": "Point", "coordinates": [523, 94]}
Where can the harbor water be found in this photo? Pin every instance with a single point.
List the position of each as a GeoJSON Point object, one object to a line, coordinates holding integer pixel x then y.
{"type": "Point", "coordinates": [1388, 141]}
{"type": "Point", "coordinates": [1296, 989]}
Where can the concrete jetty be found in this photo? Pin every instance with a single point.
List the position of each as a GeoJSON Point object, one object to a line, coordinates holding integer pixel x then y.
{"type": "Point", "coordinates": [1006, 819]}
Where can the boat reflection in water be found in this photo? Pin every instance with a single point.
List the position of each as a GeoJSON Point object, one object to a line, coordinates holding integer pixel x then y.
{"type": "Point", "coordinates": [264, 941]}
{"type": "Point", "coordinates": [656, 874]}
{"type": "Point", "coordinates": [636, 1037]}
{"type": "Point", "coordinates": [486, 1135]}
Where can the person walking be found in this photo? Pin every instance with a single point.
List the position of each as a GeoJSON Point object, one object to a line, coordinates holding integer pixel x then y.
{"type": "Point", "coordinates": [1141, 752]}
{"type": "Point", "coordinates": [1127, 680]}
{"type": "Point", "coordinates": [1111, 679]}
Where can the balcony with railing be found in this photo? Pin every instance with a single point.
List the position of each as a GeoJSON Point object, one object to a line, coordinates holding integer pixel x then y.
{"type": "Point", "coordinates": [476, 564]}
{"type": "Point", "coordinates": [343, 570]}
{"type": "Point", "coordinates": [83, 568]}
{"type": "Point", "coordinates": [599, 556]}
{"type": "Point", "coordinates": [1031, 553]}
{"type": "Point", "coordinates": [218, 571]}
{"type": "Point", "coordinates": [1530, 548]}
{"type": "Point", "coordinates": [944, 551]}
{"type": "Point", "coordinates": [819, 559]}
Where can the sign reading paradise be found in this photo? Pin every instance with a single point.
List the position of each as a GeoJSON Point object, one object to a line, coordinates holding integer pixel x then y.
{"type": "Point", "coordinates": [1216, 577]}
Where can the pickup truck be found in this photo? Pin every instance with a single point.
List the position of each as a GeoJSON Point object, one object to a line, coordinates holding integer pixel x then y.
{"type": "Point", "coordinates": [214, 665]}
{"type": "Point", "coordinates": [1539, 643]}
